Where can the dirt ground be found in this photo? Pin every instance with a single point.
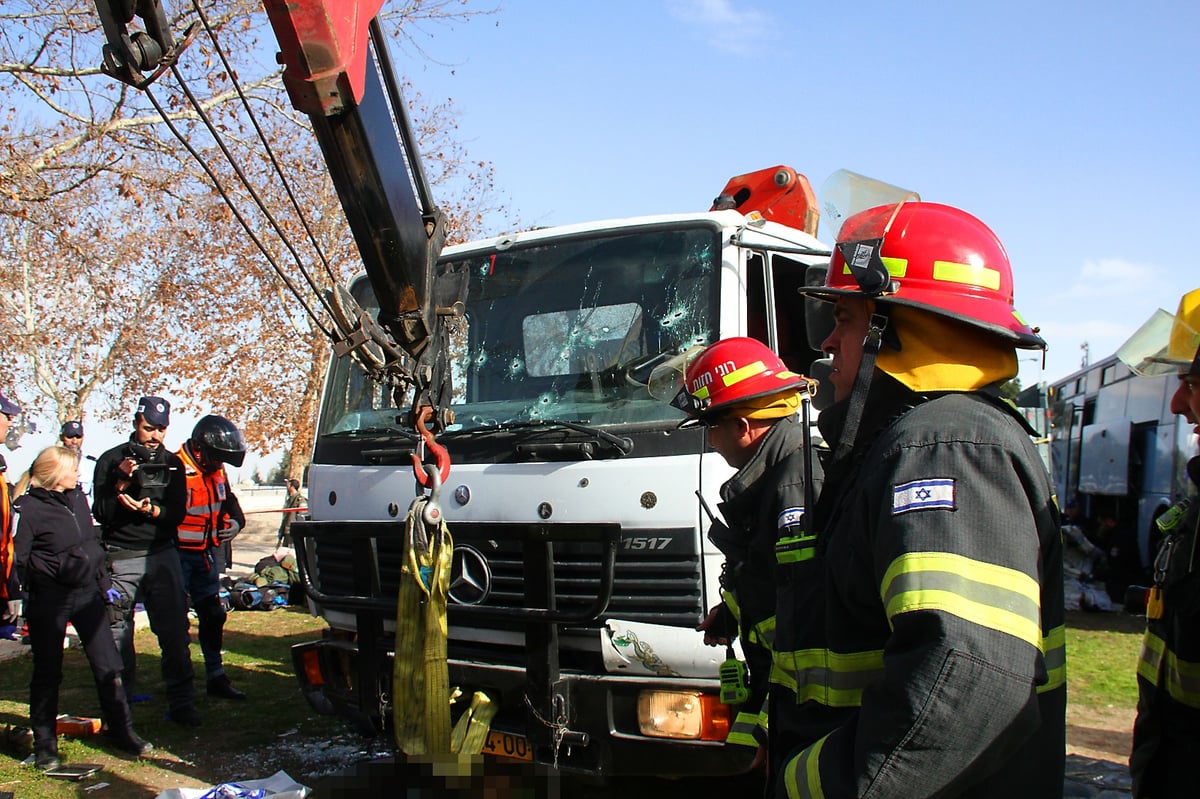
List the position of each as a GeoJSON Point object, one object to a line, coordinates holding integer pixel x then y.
{"type": "Point", "coordinates": [1105, 734]}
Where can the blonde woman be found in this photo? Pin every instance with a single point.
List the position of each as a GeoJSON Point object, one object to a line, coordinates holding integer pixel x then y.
{"type": "Point", "coordinates": [62, 565]}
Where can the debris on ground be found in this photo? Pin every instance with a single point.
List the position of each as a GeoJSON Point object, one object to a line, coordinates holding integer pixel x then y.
{"type": "Point", "coordinates": [278, 786]}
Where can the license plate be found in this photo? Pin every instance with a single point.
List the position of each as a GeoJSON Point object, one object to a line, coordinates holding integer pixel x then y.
{"type": "Point", "coordinates": [502, 744]}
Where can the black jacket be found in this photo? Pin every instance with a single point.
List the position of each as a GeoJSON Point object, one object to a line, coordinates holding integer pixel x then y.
{"type": "Point", "coordinates": [927, 656]}
{"type": "Point", "coordinates": [763, 503]}
{"type": "Point", "coordinates": [127, 529]}
{"type": "Point", "coordinates": [1166, 734]}
{"type": "Point", "coordinates": [56, 541]}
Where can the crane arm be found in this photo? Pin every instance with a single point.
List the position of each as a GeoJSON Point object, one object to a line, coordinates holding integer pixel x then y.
{"type": "Point", "coordinates": [336, 70]}
{"type": "Point", "coordinates": [329, 49]}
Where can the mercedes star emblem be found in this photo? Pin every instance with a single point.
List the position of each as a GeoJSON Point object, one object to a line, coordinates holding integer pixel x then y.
{"type": "Point", "coordinates": [470, 576]}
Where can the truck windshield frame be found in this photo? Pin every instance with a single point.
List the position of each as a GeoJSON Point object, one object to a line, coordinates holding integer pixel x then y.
{"type": "Point", "coordinates": [564, 328]}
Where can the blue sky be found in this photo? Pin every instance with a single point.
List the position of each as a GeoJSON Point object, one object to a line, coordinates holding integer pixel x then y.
{"type": "Point", "coordinates": [1072, 129]}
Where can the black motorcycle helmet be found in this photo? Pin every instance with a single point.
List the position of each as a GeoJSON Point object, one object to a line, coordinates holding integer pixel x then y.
{"type": "Point", "coordinates": [218, 440]}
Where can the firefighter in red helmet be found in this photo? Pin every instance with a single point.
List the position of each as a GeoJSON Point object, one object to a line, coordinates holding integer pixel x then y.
{"type": "Point", "coordinates": [749, 402]}
{"type": "Point", "coordinates": [922, 653]}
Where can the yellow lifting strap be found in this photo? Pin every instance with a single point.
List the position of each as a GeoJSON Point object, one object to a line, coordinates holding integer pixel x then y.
{"type": "Point", "coordinates": [421, 694]}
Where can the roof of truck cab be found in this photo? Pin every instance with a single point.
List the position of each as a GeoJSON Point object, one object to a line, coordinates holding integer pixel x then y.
{"type": "Point", "coordinates": [761, 234]}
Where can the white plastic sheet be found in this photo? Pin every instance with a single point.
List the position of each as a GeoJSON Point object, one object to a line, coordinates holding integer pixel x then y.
{"type": "Point", "coordinates": [278, 786]}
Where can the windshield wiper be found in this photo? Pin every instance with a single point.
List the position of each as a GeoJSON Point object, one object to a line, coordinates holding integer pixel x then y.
{"type": "Point", "coordinates": [373, 432]}
{"type": "Point", "coordinates": [622, 444]}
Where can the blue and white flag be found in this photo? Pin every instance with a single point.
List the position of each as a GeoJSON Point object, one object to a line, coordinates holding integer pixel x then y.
{"type": "Point", "coordinates": [923, 495]}
{"type": "Point", "coordinates": [790, 517]}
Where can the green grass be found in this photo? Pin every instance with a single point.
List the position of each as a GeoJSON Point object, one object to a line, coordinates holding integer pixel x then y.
{"type": "Point", "coordinates": [235, 736]}
{"type": "Point", "coordinates": [1102, 655]}
{"type": "Point", "coordinates": [241, 740]}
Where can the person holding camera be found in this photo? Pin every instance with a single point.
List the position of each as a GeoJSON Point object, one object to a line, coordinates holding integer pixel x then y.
{"type": "Point", "coordinates": [213, 518]}
{"type": "Point", "coordinates": [139, 500]}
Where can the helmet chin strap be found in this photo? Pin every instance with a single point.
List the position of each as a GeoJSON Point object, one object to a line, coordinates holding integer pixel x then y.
{"type": "Point", "coordinates": [862, 385]}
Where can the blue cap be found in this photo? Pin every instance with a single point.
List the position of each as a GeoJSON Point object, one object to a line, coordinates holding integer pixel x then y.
{"type": "Point", "coordinates": [72, 429]}
{"type": "Point", "coordinates": [7, 406]}
{"type": "Point", "coordinates": [155, 410]}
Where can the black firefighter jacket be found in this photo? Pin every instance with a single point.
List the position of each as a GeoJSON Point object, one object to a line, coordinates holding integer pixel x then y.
{"type": "Point", "coordinates": [761, 504]}
{"type": "Point", "coordinates": [921, 653]}
{"type": "Point", "coordinates": [1166, 735]}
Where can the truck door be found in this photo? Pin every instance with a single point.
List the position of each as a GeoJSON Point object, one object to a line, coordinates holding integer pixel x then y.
{"type": "Point", "coordinates": [775, 309]}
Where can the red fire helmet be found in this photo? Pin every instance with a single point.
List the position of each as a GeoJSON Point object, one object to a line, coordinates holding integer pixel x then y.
{"type": "Point", "coordinates": [730, 371]}
{"type": "Point", "coordinates": [928, 256]}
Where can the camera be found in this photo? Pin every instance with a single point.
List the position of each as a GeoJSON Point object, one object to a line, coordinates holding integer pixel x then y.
{"type": "Point", "coordinates": [151, 470]}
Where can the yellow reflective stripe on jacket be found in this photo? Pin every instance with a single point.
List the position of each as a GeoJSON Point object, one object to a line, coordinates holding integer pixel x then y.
{"type": "Point", "coordinates": [802, 775]}
{"type": "Point", "coordinates": [1182, 677]}
{"type": "Point", "coordinates": [763, 633]}
{"type": "Point", "coordinates": [830, 678]}
{"type": "Point", "coordinates": [996, 597]}
{"type": "Point", "coordinates": [1054, 652]}
{"type": "Point", "coordinates": [731, 602]}
{"type": "Point", "coordinates": [741, 732]}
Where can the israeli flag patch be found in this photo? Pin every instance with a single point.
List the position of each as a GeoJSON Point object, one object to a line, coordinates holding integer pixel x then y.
{"type": "Point", "coordinates": [923, 495]}
{"type": "Point", "coordinates": [790, 517]}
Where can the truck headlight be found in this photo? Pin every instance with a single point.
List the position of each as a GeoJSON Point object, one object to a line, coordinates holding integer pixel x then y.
{"type": "Point", "coordinates": [682, 714]}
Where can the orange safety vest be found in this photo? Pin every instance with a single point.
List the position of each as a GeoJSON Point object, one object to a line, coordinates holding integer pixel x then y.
{"type": "Point", "coordinates": [6, 538]}
{"type": "Point", "coordinates": [206, 493]}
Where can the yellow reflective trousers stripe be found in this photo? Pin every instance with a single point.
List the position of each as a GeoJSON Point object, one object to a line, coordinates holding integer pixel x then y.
{"type": "Point", "coordinates": [996, 597]}
{"type": "Point", "coordinates": [802, 775]}
{"type": "Point", "coordinates": [1182, 677]}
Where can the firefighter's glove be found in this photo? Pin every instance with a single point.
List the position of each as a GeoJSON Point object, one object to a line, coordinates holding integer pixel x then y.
{"type": "Point", "coordinates": [112, 596]}
{"type": "Point", "coordinates": [719, 626]}
{"type": "Point", "coordinates": [229, 531]}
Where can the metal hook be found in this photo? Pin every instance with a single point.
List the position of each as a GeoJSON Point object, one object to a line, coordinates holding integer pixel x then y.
{"type": "Point", "coordinates": [441, 457]}
{"type": "Point", "coordinates": [431, 514]}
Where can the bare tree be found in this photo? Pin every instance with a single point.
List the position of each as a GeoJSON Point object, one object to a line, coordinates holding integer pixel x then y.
{"type": "Point", "coordinates": [123, 268]}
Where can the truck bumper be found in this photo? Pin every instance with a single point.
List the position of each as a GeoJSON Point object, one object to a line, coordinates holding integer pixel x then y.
{"type": "Point", "coordinates": [600, 736]}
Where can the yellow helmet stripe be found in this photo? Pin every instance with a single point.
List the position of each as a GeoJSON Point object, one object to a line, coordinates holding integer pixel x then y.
{"type": "Point", "coordinates": [747, 371]}
{"type": "Point", "coordinates": [967, 274]}
{"type": "Point", "coordinates": [897, 267]}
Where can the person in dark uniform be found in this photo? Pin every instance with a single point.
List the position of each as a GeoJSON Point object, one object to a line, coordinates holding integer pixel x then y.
{"type": "Point", "coordinates": [66, 580]}
{"type": "Point", "coordinates": [923, 654]}
{"type": "Point", "coordinates": [70, 435]}
{"type": "Point", "coordinates": [748, 400]}
{"type": "Point", "coordinates": [140, 493]}
{"type": "Point", "coordinates": [1166, 733]}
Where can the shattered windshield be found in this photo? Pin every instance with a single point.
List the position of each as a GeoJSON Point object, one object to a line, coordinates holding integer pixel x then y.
{"type": "Point", "coordinates": [563, 329]}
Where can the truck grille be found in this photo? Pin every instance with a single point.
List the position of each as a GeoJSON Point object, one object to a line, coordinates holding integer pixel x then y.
{"type": "Point", "coordinates": [658, 583]}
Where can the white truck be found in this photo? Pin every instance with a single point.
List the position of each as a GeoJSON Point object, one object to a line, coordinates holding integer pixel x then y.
{"type": "Point", "coordinates": [580, 564]}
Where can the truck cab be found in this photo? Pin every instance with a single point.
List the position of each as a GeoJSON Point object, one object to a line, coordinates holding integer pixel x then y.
{"type": "Point", "coordinates": [581, 566]}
